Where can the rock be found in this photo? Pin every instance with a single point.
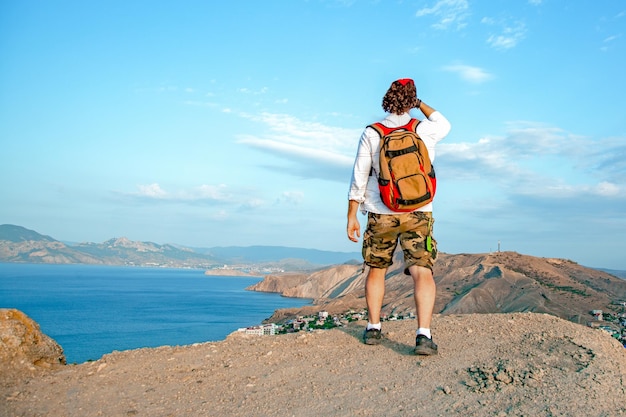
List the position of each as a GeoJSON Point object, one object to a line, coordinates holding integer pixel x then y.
{"type": "Point", "coordinates": [521, 364]}
{"type": "Point", "coordinates": [24, 349]}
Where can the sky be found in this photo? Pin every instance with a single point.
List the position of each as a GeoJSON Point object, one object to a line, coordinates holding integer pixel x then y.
{"type": "Point", "coordinates": [236, 123]}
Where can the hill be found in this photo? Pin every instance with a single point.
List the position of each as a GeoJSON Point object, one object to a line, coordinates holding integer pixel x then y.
{"type": "Point", "coordinates": [264, 254]}
{"type": "Point", "coordinates": [18, 244]}
{"type": "Point", "coordinates": [521, 364]}
{"type": "Point", "coordinates": [15, 234]}
{"type": "Point", "coordinates": [501, 282]}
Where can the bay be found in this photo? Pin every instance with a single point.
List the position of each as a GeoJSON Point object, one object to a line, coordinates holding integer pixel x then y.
{"type": "Point", "coordinates": [93, 310]}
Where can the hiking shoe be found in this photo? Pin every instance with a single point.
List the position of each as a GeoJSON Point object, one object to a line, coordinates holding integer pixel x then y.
{"type": "Point", "coordinates": [424, 346]}
{"type": "Point", "coordinates": [372, 337]}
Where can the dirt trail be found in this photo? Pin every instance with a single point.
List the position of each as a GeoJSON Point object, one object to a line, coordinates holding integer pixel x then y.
{"type": "Point", "coordinates": [520, 364]}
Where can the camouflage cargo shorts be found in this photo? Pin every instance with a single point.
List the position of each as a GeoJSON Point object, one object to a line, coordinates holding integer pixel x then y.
{"type": "Point", "coordinates": [413, 231]}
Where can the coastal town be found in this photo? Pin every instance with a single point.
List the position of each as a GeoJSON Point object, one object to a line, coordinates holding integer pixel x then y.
{"type": "Point", "coordinates": [612, 323]}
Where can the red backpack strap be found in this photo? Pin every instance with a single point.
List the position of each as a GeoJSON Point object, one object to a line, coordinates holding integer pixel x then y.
{"type": "Point", "coordinates": [412, 125]}
{"type": "Point", "coordinates": [383, 130]}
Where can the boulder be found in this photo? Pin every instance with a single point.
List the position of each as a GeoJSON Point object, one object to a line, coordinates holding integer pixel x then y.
{"type": "Point", "coordinates": [24, 349]}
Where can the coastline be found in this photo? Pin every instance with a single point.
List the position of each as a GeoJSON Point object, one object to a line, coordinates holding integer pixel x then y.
{"type": "Point", "coordinates": [94, 310]}
{"type": "Point", "coordinates": [487, 363]}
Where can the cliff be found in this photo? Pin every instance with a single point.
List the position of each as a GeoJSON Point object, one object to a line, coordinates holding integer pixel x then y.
{"type": "Point", "coordinates": [24, 349]}
{"type": "Point", "coordinates": [501, 282]}
{"type": "Point", "coordinates": [488, 365]}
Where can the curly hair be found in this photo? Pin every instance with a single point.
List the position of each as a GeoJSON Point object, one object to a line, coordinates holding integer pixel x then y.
{"type": "Point", "coordinates": [400, 97]}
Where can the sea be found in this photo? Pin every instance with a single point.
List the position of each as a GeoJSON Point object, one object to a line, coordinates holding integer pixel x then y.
{"type": "Point", "coordinates": [94, 310]}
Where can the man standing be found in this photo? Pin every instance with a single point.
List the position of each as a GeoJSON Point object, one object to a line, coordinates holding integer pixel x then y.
{"type": "Point", "coordinates": [385, 227]}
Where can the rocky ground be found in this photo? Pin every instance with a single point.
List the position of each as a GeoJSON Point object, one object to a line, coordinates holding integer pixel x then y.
{"type": "Point", "coordinates": [521, 364]}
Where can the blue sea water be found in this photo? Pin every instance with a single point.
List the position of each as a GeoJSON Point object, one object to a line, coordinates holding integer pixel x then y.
{"type": "Point", "coordinates": [93, 310]}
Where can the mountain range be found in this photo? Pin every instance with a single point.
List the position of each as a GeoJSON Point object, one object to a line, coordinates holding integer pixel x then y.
{"type": "Point", "coordinates": [18, 244]}
{"type": "Point", "coordinates": [500, 282]}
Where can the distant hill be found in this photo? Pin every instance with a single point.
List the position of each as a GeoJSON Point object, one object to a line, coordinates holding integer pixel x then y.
{"type": "Point", "coordinates": [617, 273]}
{"type": "Point", "coordinates": [12, 233]}
{"type": "Point", "coordinates": [501, 282]}
{"type": "Point", "coordinates": [18, 244]}
{"type": "Point", "coordinates": [261, 254]}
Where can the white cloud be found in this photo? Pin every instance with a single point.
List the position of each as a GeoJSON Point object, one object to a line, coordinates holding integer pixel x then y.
{"type": "Point", "coordinates": [289, 129]}
{"type": "Point", "coordinates": [537, 186]}
{"type": "Point", "coordinates": [204, 193]}
{"type": "Point", "coordinates": [151, 191]}
{"type": "Point", "coordinates": [210, 192]}
{"type": "Point", "coordinates": [538, 160]}
{"type": "Point", "coordinates": [298, 151]}
{"type": "Point", "coordinates": [291, 197]}
{"type": "Point", "coordinates": [448, 13]}
{"type": "Point", "coordinates": [611, 38]}
{"type": "Point", "coordinates": [308, 149]}
{"type": "Point", "coordinates": [472, 74]}
{"type": "Point", "coordinates": [609, 41]}
{"type": "Point", "coordinates": [245, 90]}
{"type": "Point", "coordinates": [608, 189]}
{"type": "Point", "coordinates": [509, 36]}
{"type": "Point", "coordinates": [200, 103]}
{"type": "Point", "coordinates": [220, 215]}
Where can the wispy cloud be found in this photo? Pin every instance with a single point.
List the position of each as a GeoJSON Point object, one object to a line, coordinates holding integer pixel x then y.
{"type": "Point", "coordinates": [217, 200]}
{"type": "Point", "coordinates": [154, 191]}
{"type": "Point", "coordinates": [609, 158]}
{"type": "Point", "coordinates": [200, 103]}
{"type": "Point", "coordinates": [262, 90]}
{"type": "Point", "coordinates": [609, 41]}
{"type": "Point", "coordinates": [538, 186]}
{"type": "Point", "coordinates": [542, 161]}
{"type": "Point", "coordinates": [151, 191]}
{"type": "Point", "coordinates": [509, 34]}
{"type": "Point", "coordinates": [308, 149]}
{"type": "Point", "coordinates": [293, 198]}
{"type": "Point", "coordinates": [469, 73]}
{"type": "Point", "coordinates": [448, 13]}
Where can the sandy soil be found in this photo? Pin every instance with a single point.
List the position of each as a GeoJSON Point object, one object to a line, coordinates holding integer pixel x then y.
{"type": "Point", "coordinates": [518, 364]}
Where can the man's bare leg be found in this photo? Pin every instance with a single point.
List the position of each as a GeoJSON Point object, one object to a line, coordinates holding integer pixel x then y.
{"type": "Point", "coordinates": [424, 293]}
{"type": "Point", "coordinates": [374, 293]}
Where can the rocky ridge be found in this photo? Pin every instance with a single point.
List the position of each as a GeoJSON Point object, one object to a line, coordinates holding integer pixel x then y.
{"type": "Point", "coordinates": [21, 245]}
{"type": "Point", "coordinates": [24, 349]}
{"type": "Point", "coordinates": [520, 364]}
{"type": "Point", "coordinates": [500, 282]}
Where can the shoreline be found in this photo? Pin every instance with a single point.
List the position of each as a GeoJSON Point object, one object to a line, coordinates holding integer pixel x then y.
{"type": "Point", "coordinates": [102, 310]}
{"type": "Point", "coordinates": [487, 363]}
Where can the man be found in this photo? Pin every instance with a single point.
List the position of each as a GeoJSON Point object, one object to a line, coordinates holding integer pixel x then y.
{"type": "Point", "coordinates": [385, 228]}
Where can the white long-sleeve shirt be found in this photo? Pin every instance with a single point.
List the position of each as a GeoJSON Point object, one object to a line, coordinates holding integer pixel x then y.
{"type": "Point", "coordinates": [364, 187]}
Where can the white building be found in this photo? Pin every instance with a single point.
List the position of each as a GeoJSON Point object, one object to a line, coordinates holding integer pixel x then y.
{"type": "Point", "coordinates": [264, 330]}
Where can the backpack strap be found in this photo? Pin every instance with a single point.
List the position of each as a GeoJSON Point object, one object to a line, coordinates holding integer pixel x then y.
{"type": "Point", "coordinates": [412, 125]}
{"type": "Point", "coordinates": [383, 130]}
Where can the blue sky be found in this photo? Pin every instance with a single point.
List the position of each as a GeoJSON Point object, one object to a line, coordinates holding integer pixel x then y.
{"type": "Point", "coordinates": [236, 123]}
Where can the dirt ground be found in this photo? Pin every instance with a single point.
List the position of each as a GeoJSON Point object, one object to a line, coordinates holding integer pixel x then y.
{"type": "Point", "coordinates": [520, 364]}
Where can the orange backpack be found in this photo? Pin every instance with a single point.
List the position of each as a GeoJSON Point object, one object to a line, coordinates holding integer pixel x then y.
{"type": "Point", "coordinates": [407, 178]}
